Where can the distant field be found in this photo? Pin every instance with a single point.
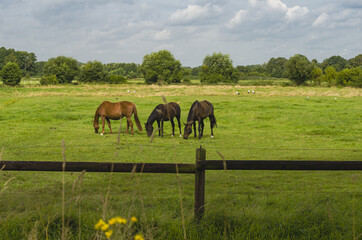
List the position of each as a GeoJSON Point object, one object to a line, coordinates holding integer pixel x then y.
{"type": "Point", "coordinates": [275, 123]}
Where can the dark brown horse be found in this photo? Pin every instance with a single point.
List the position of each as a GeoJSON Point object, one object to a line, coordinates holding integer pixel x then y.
{"type": "Point", "coordinates": [161, 113]}
{"type": "Point", "coordinates": [198, 112]}
{"type": "Point", "coordinates": [116, 111]}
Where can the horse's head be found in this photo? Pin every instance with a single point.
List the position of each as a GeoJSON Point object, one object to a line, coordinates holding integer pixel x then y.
{"type": "Point", "coordinates": [187, 130]}
{"type": "Point", "coordinates": [96, 127]}
{"type": "Point", "coordinates": [149, 129]}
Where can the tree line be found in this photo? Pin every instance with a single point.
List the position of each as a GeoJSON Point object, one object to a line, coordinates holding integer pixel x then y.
{"type": "Point", "coordinates": [161, 67]}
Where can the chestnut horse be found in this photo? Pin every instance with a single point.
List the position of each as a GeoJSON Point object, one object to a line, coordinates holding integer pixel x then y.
{"type": "Point", "coordinates": [198, 112]}
{"type": "Point", "coordinates": [116, 111]}
{"type": "Point", "coordinates": [161, 113]}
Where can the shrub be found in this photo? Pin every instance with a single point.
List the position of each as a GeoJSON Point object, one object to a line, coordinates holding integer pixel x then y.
{"type": "Point", "coordinates": [49, 80]}
{"type": "Point", "coordinates": [11, 74]}
{"type": "Point", "coordinates": [116, 79]}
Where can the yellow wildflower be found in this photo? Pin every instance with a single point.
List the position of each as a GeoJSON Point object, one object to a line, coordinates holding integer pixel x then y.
{"type": "Point", "coordinates": [99, 224]}
{"type": "Point", "coordinates": [105, 227]}
{"type": "Point", "coordinates": [138, 237]}
{"type": "Point", "coordinates": [134, 219]}
{"type": "Point", "coordinates": [121, 220]}
{"type": "Point", "coordinates": [109, 233]}
{"type": "Point", "coordinates": [112, 221]}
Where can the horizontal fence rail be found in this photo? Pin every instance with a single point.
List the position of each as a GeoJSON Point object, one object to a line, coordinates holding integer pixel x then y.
{"type": "Point", "coordinates": [279, 165]}
{"type": "Point", "coordinates": [198, 169]}
{"type": "Point", "coordinates": [182, 168]}
{"type": "Point", "coordinates": [97, 167]}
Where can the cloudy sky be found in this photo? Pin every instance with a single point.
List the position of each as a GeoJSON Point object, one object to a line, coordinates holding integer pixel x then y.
{"type": "Point", "coordinates": [251, 32]}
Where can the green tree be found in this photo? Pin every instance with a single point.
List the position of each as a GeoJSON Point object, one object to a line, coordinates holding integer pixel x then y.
{"type": "Point", "coordinates": [330, 74]}
{"type": "Point", "coordinates": [349, 77]}
{"type": "Point", "coordinates": [298, 69]}
{"type": "Point", "coordinates": [11, 74]}
{"type": "Point", "coordinates": [64, 68]}
{"type": "Point", "coordinates": [356, 61]}
{"type": "Point", "coordinates": [93, 72]}
{"type": "Point", "coordinates": [276, 67]}
{"type": "Point", "coordinates": [317, 75]}
{"type": "Point", "coordinates": [337, 62]}
{"type": "Point", "coordinates": [161, 67]}
{"type": "Point", "coordinates": [218, 68]}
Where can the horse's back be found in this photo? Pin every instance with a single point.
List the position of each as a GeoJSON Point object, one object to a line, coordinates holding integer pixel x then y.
{"type": "Point", "coordinates": [174, 109]}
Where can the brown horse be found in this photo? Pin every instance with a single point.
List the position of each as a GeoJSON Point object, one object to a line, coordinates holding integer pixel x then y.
{"type": "Point", "coordinates": [161, 113]}
{"type": "Point", "coordinates": [198, 112]}
{"type": "Point", "coordinates": [115, 111]}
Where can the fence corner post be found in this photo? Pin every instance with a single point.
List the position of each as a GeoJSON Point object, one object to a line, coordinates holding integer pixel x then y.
{"type": "Point", "coordinates": [200, 183]}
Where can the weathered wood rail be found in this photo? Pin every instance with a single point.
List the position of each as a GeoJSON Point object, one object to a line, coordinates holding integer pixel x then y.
{"type": "Point", "coordinates": [197, 168]}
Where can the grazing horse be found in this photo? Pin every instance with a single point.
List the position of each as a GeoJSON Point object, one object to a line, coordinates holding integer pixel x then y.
{"type": "Point", "coordinates": [115, 111]}
{"type": "Point", "coordinates": [198, 112]}
{"type": "Point", "coordinates": [161, 113]}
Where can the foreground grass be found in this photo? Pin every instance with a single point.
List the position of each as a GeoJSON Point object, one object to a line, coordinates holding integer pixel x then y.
{"type": "Point", "coordinates": [275, 123]}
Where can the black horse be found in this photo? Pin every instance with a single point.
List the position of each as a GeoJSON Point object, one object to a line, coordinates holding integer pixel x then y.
{"type": "Point", "coordinates": [198, 112]}
{"type": "Point", "coordinates": [161, 113]}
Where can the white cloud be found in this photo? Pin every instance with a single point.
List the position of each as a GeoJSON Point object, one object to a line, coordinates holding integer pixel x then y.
{"type": "Point", "coordinates": [296, 12]}
{"type": "Point", "coordinates": [237, 19]}
{"type": "Point", "coordinates": [163, 35]}
{"type": "Point", "coordinates": [321, 20]}
{"type": "Point", "coordinates": [192, 12]}
{"type": "Point", "coordinates": [277, 5]}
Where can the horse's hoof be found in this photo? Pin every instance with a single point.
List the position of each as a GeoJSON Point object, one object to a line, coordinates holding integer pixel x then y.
{"type": "Point", "coordinates": [171, 135]}
{"type": "Point", "coordinates": [180, 135]}
{"type": "Point", "coordinates": [212, 136]}
{"type": "Point", "coordinates": [101, 134]}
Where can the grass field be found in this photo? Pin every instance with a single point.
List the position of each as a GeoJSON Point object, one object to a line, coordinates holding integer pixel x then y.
{"type": "Point", "coordinates": [275, 123]}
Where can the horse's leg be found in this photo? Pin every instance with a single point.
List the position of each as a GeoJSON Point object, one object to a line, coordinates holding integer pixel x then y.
{"type": "Point", "coordinates": [159, 128]}
{"type": "Point", "coordinates": [173, 127]}
{"type": "Point", "coordinates": [211, 125]}
{"type": "Point", "coordinates": [179, 125]}
{"type": "Point", "coordinates": [202, 128]}
{"type": "Point", "coordinates": [162, 127]}
{"type": "Point", "coordinates": [103, 122]}
{"type": "Point", "coordinates": [127, 126]}
{"type": "Point", "coordinates": [194, 128]}
{"type": "Point", "coordinates": [109, 124]}
{"type": "Point", "coordinates": [129, 120]}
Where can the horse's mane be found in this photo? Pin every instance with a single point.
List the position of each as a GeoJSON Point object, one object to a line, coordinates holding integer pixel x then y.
{"type": "Point", "coordinates": [191, 112]}
{"type": "Point", "coordinates": [153, 116]}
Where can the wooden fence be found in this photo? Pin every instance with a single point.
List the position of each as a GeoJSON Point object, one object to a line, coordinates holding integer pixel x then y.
{"type": "Point", "coordinates": [198, 168]}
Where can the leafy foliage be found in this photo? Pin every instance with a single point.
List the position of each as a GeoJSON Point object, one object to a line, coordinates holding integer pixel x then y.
{"type": "Point", "coordinates": [299, 69]}
{"type": "Point", "coordinates": [11, 74]}
{"type": "Point", "coordinates": [49, 80]}
{"type": "Point", "coordinates": [218, 68]}
{"type": "Point", "coordinates": [337, 62]}
{"type": "Point", "coordinates": [161, 67]}
{"type": "Point", "coordinates": [276, 67]}
{"type": "Point", "coordinates": [115, 79]}
{"type": "Point", "coordinates": [64, 68]}
{"type": "Point", "coordinates": [93, 72]}
{"type": "Point", "coordinates": [26, 61]}
{"type": "Point", "coordinates": [349, 77]}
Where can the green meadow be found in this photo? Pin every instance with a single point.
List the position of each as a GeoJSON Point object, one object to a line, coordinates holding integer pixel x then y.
{"type": "Point", "coordinates": [275, 123]}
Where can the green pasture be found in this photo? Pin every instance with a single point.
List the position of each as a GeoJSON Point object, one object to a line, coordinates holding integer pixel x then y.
{"type": "Point", "coordinates": [275, 123]}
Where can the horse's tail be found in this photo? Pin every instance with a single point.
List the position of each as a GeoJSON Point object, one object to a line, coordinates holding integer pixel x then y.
{"type": "Point", "coordinates": [136, 118]}
{"type": "Point", "coordinates": [213, 121]}
{"type": "Point", "coordinates": [212, 117]}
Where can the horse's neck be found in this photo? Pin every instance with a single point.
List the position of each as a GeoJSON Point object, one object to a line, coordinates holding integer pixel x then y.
{"type": "Point", "coordinates": [152, 118]}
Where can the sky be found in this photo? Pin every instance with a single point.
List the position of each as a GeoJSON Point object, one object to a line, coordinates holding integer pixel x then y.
{"type": "Point", "coordinates": [251, 32]}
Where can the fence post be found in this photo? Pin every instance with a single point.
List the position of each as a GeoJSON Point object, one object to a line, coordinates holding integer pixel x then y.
{"type": "Point", "coordinates": [199, 183]}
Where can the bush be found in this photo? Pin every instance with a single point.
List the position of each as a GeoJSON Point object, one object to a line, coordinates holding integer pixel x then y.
{"type": "Point", "coordinates": [11, 74]}
{"type": "Point", "coordinates": [115, 79]}
{"type": "Point", "coordinates": [350, 77]}
{"type": "Point", "coordinates": [49, 80]}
